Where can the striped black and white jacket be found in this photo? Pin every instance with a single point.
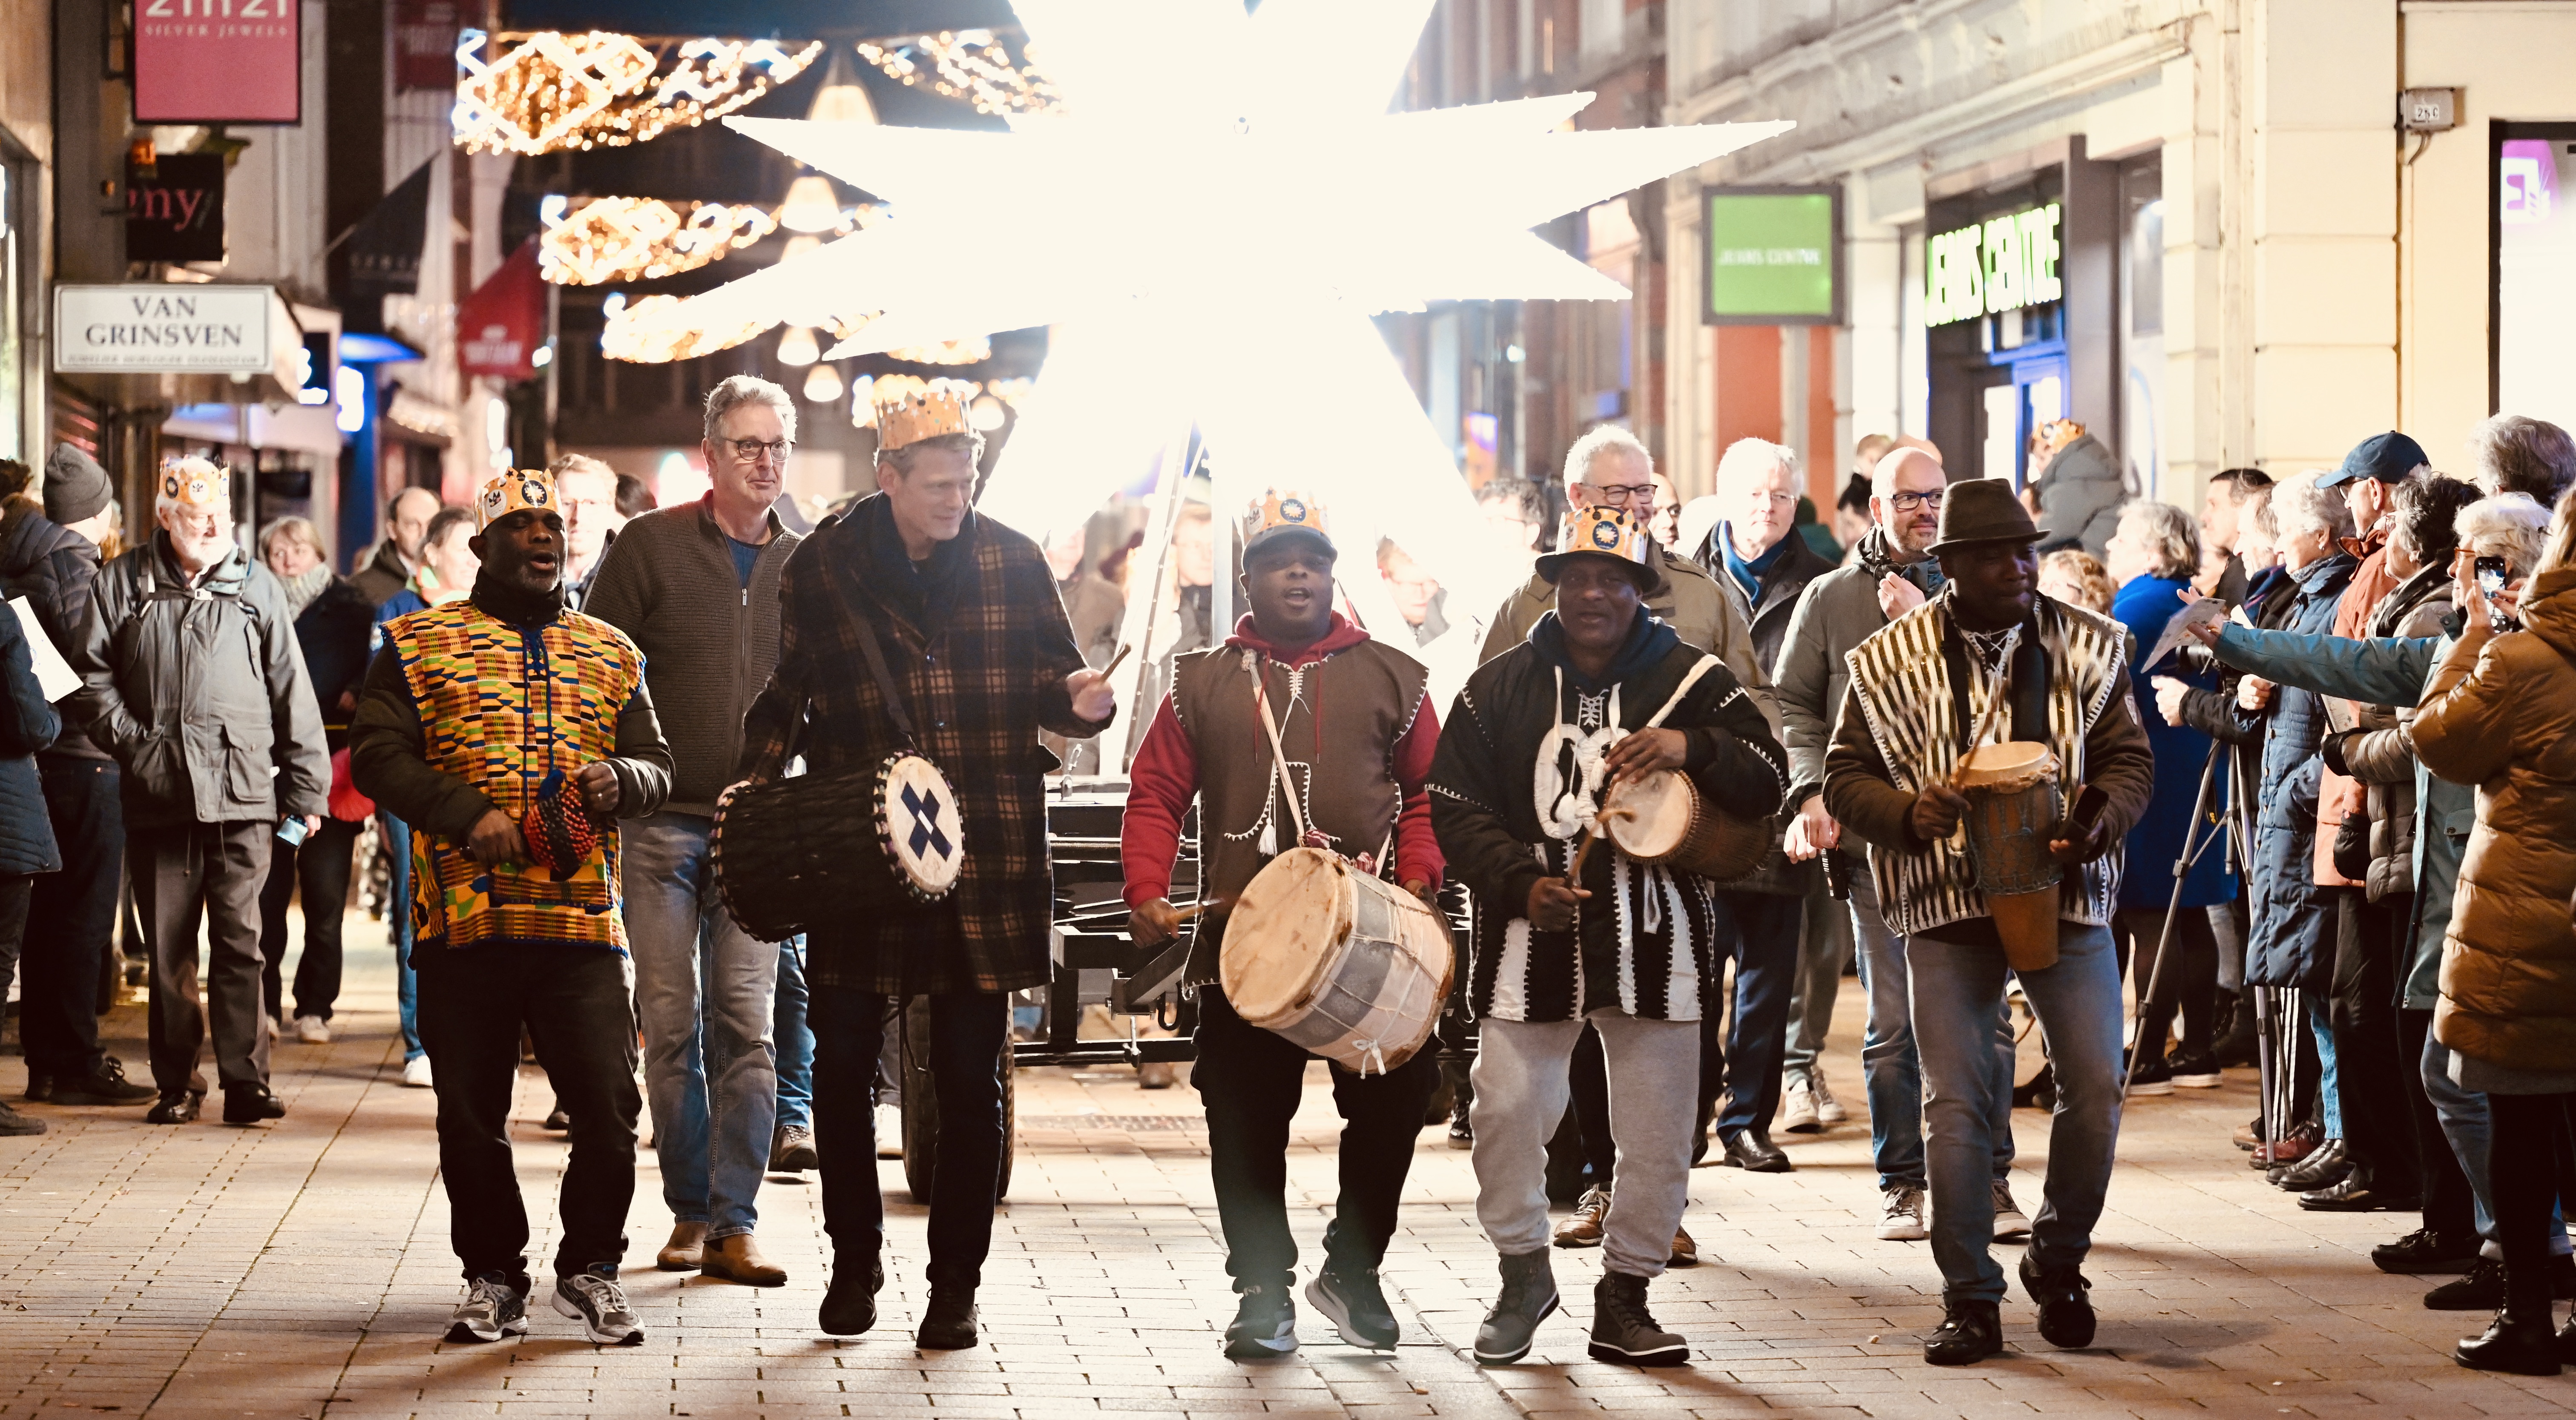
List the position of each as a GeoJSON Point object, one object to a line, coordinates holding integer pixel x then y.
{"type": "Point", "coordinates": [1643, 943]}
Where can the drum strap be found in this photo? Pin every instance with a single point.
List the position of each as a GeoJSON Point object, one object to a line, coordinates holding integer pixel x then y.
{"type": "Point", "coordinates": [885, 686]}
{"type": "Point", "coordinates": [1701, 667]}
{"type": "Point", "coordinates": [1278, 754]}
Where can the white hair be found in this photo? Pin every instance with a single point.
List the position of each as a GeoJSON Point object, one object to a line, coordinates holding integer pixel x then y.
{"type": "Point", "coordinates": [1601, 439]}
{"type": "Point", "coordinates": [2173, 533]}
{"type": "Point", "coordinates": [2509, 525]}
{"type": "Point", "coordinates": [738, 390]}
{"type": "Point", "coordinates": [2298, 506]}
{"type": "Point", "coordinates": [1748, 459]}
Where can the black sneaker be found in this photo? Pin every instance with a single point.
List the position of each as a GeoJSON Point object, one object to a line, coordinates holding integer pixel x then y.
{"type": "Point", "coordinates": [1352, 1300]}
{"type": "Point", "coordinates": [251, 1104]}
{"type": "Point", "coordinates": [1625, 1333]}
{"type": "Point", "coordinates": [13, 1124]}
{"type": "Point", "coordinates": [1461, 1134]}
{"type": "Point", "coordinates": [2065, 1313]}
{"type": "Point", "coordinates": [948, 1323]}
{"type": "Point", "coordinates": [1264, 1326]}
{"type": "Point", "coordinates": [2481, 1289]}
{"type": "Point", "coordinates": [1970, 1331]}
{"type": "Point", "coordinates": [2425, 1251]}
{"type": "Point", "coordinates": [593, 1298]}
{"type": "Point", "coordinates": [2151, 1077]}
{"type": "Point", "coordinates": [2195, 1072]}
{"type": "Point", "coordinates": [495, 1306]}
{"type": "Point", "coordinates": [105, 1085]}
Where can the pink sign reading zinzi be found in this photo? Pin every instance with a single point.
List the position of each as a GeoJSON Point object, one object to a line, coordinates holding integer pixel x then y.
{"type": "Point", "coordinates": [217, 61]}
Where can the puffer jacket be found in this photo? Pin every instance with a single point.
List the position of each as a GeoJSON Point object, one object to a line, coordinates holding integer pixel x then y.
{"type": "Point", "coordinates": [2292, 941]}
{"type": "Point", "coordinates": [2377, 754]}
{"type": "Point", "coordinates": [200, 693]}
{"type": "Point", "coordinates": [2080, 494]}
{"type": "Point", "coordinates": [27, 725]}
{"type": "Point", "coordinates": [52, 567]}
{"type": "Point", "coordinates": [2501, 713]}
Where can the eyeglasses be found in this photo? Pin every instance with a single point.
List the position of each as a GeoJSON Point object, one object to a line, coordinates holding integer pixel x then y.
{"type": "Point", "coordinates": [1618, 494]}
{"type": "Point", "coordinates": [1908, 502]}
{"type": "Point", "coordinates": [754, 450]}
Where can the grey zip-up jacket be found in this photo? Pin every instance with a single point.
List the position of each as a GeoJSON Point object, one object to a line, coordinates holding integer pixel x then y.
{"type": "Point", "coordinates": [709, 642]}
{"type": "Point", "coordinates": [200, 693]}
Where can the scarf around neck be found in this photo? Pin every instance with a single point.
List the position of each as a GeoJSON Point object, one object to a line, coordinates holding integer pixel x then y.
{"type": "Point", "coordinates": [301, 591]}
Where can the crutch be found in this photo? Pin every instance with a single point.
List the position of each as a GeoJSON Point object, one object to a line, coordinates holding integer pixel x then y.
{"type": "Point", "coordinates": [2183, 864]}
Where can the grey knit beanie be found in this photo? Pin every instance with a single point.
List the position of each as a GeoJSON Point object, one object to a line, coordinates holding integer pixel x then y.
{"type": "Point", "coordinates": [75, 486]}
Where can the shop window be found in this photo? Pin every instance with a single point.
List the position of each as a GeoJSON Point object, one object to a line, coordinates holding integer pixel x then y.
{"type": "Point", "coordinates": [2142, 324]}
{"type": "Point", "coordinates": [2532, 310]}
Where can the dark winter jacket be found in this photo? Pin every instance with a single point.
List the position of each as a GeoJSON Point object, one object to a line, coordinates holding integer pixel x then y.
{"type": "Point", "coordinates": [27, 724]}
{"type": "Point", "coordinates": [2145, 606]}
{"type": "Point", "coordinates": [383, 575]}
{"type": "Point", "coordinates": [333, 633]}
{"type": "Point", "coordinates": [2292, 941]}
{"type": "Point", "coordinates": [52, 567]}
{"type": "Point", "coordinates": [199, 693]}
{"type": "Point", "coordinates": [2080, 495]}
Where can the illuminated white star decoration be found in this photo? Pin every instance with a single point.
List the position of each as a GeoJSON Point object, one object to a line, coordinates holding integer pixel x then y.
{"type": "Point", "coordinates": [1208, 223]}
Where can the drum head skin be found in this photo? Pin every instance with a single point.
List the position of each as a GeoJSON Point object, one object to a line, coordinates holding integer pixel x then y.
{"type": "Point", "coordinates": [1282, 936]}
{"type": "Point", "coordinates": [2016, 764]}
{"type": "Point", "coordinates": [1660, 806]}
{"type": "Point", "coordinates": [922, 833]}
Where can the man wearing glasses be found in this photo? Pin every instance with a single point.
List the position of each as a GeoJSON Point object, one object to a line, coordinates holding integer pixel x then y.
{"type": "Point", "coordinates": [1892, 573]}
{"type": "Point", "coordinates": [695, 586]}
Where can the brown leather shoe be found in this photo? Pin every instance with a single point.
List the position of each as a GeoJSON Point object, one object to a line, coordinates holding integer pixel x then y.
{"type": "Point", "coordinates": [687, 1246]}
{"type": "Point", "coordinates": [1685, 1251]}
{"type": "Point", "coordinates": [738, 1259]}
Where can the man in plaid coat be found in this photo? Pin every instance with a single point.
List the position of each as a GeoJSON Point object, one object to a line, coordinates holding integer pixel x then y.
{"type": "Point", "coordinates": [981, 655]}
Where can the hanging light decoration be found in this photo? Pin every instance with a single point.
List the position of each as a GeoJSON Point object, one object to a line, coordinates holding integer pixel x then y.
{"type": "Point", "coordinates": [863, 404]}
{"type": "Point", "coordinates": [972, 350]}
{"type": "Point", "coordinates": [548, 91]}
{"type": "Point", "coordinates": [629, 238]}
{"type": "Point", "coordinates": [797, 346]}
{"type": "Point", "coordinates": [841, 99]}
{"type": "Point", "coordinates": [654, 330]}
{"type": "Point", "coordinates": [964, 64]}
{"type": "Point", "coordinates": [811, 205]}
{"type": "Point", "coordinates": [823, 384]}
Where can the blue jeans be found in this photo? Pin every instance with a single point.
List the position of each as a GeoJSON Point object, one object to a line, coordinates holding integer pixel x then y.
{"type": "Point", "coordinates": [2329, 1095]}
{"type": "Point", "coordinates": [1764, 931]}
{"type": "Point", "coordinates": [1955, 990]}
{"type": "Point", "coordinates": [703, 990]}
{"type": "Point", "coordinates": [1891, 1072]}
{"type": "Point", "coordinates": [795, 1040]}
{"type": "Point", "coordinates": [1824, 949]}
{"type": "Point", "coordinates": [397, 841]}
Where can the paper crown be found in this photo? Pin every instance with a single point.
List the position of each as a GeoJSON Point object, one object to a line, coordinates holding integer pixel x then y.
{"type": "Point", "coordinates": [1608, 531]}
{"type": "Point", "coordinates": [1282, 513]}
{"type": "Point", "coordinates": [506, 493]}
{"type": "Point", "coordinates": [911, 409]}
{"type": "Point", "coordinates": [194, 483]}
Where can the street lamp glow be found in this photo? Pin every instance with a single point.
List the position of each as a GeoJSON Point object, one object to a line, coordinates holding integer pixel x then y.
{"type": "Point", "coordinates": [799, 347]}
{"type": "Point", "coordinates": [811, 205]}
{"type": "Point", "coordinates": [1244, 214]}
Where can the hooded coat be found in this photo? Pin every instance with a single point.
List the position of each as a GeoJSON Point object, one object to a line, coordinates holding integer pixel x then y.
{"type": "Point", "coordinates": [2292, 941]}
{"type": "Point", "coordinates": [2501, 713]}
{"type": "Point", "coordinates": [2080, 494]}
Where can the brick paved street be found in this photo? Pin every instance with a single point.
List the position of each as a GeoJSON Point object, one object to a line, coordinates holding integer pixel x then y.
{"type": "Point", "coordinates": [302, 1270]}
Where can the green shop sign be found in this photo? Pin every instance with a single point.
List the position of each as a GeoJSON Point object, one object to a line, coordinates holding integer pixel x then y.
{"type": "Point", "coordinates": [1774, 256]}
{"type": "Point", "coordinates": [2001, 264]}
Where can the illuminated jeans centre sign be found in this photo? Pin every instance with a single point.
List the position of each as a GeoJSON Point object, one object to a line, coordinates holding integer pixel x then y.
{"type": "Point", "coordinates": [2002, 264]}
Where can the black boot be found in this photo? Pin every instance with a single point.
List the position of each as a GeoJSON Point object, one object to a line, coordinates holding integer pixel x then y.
{"type": "Point", "coordinates": [2519, 1341]}
{"type": "Point", "coordinates": [850, 1304]}
{"type": "Point", "coordinates": [948, 1324]}
{"type": "Point", "coordinates": [1624, 1332]}
{"type": "Point", "coordinates": [1528, 1298]}
{"type": "Point", "coordinates": [1970, 1332]}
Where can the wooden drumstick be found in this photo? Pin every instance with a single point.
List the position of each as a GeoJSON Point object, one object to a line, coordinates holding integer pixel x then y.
{"type": "Point", "coordinates": [1106, 670]}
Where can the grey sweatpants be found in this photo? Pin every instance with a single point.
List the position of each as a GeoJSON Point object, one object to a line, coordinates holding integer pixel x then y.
{"type": "Point", "coordinates": [1521, 1089]}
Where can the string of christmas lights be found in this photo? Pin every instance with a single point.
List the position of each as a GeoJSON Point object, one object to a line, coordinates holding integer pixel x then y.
{"type": "Point", "coordinates": [549, 91]}
{"type": "Point", "coordinates": [965, 64]}
{"type": "Point", "coordinates": [605, 239]}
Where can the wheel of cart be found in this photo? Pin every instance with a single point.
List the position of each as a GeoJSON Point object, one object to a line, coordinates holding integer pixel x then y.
{"type": "Point", "coordinates": [921, 1107]}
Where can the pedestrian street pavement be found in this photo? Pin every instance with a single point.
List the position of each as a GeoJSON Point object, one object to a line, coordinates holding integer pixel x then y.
{"type": "Point", "coordinates": [302, 1270]}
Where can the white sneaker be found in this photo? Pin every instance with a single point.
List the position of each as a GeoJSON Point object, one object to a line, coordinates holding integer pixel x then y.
{"type": "Point", "coordinates": [416, 1073]}
{"type": "Point", "coordinates": [889, 1131]}
{"type": "Point", "coordinates": [312, 1030]}
{"type": "Point", "coordinates": [1798, 1109]}
{"type": "Point", "coordinates": [1829, 1111]}
{"type": "Point", "coordinates": [1900, 1217]}
{"type": "Point", "coordinates": [271, 1022]}
{"type": "Point", "coordinates": [2011, 1225]}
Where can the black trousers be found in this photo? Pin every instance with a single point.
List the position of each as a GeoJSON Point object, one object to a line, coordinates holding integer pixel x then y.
{"type": "Point", "coordinates": [2524, 1174]}
{"type": "Point", "coordinates": [2450, 1208]}
{"type": "Point", "coordinates": [209, 872]}
{"type": "Point", "coordinates": [2188, 981]}
{"type": "Point", "coordinates": [2370, 1062]}
{"type": "Point", "coordinates": [576, 1003]}
{"type": "Point", "coordinates": [321, 866]}
{"type": "Point", "coordinates": [72, 916]}
{"type": "Point", "coordinates": [967, 1033]}
{"type": "Point", "coordinates": [15, 889]}
{"type": "Point", "coordinates": [1250, 1080]}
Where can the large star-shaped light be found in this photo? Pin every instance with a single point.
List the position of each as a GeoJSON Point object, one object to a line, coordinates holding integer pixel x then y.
{"type": "Point", "coordinates": [1208, 224]}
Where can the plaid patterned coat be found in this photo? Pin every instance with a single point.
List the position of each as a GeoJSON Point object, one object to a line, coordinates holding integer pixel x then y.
{"type": "Point", "coordinates": [979, 687]}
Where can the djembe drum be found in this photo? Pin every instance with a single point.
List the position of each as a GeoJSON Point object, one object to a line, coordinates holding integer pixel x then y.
{"type": "Point", "coordinates": [1348, 966]}
{"type": "Point", "coordinates": [791, 852]}
{"type": "Point", "coordinates": [2012, 809]}
{"type": "Point", "coordinates": [1663, 818]}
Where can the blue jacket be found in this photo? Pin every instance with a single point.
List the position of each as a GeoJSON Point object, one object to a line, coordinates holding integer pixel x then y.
{"type": "Point", "coordinates": [2182, 753]}
{"type": "Point", "coordinates": [2386, 670]}
{"type": "Point", "coordinates": [2292, 938]}
{"type": "Point", "coordinates": [27, 724]}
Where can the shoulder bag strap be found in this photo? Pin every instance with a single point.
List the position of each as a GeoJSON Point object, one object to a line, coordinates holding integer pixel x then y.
{"type": "Point", "coordinates": [885, 683]}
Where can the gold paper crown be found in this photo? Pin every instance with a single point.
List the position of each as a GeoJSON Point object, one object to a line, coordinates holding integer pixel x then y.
{"type": "Point", "coordinates": [911, 409]}
{"type": "Point", "coordinates": [1282, 511]}
{"type": "Point", "coordinates": [507, 493]}
{"type": "Point", "coordinates": [194, 483]}
{"type": "Point", "coordinates": [1608, 531]}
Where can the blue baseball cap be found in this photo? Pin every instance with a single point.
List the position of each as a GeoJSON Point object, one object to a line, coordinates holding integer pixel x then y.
{"type": "Point", "coordinates": [2388, 457]}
